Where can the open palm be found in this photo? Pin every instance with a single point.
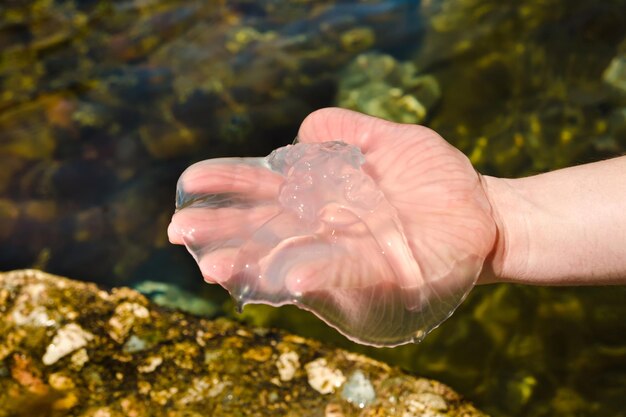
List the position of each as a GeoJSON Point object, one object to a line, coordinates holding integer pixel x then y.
{"type": "Point", "coordinates": [386, 279]}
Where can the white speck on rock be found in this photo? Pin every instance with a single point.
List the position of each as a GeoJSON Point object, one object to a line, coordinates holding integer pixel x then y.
{"type": "Point", "coordinates": [273, 397]}
{"type": "Point", "coordinates": [424, 404]}
{"type": "Point", "coordinates": [322, 378]}
{"type": "Point", "coordinates": [359, 390]}
{"type": "Point", "coordinates": [79, 359]}
{"type": "Point", "coordinates": [615, 74]}
{"type": "Point", "coordinates": [134, 344]}
{"type": "Point", "coordinates": [124, 318]}
{"type": "Point", "coordinates": [38, 317]}
{"type": "Point", "coordinates": [432, 401]}
{"type": "Point", "coordinates": [217, 388]}
{"type": "Point", "coordinates": [202, 388]}
{"type": "Point", "coordinates": [150, 364]}
{"type": "Point", "coordinates": [287, 364]}
{"type": "Point", "coordinates": [35, 291]}
{"type": "Point", "coordinates": [67, 339]}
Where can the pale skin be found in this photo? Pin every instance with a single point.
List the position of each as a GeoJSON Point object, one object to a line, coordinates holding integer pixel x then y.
{"type": "Point", "coordinates": [566, 227]}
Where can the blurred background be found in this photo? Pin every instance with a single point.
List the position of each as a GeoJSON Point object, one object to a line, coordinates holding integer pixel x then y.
{"type": "Point", "coordinates": [104, 103]}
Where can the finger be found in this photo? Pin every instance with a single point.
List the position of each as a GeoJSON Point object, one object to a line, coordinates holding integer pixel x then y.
{"type": "Point", "coordinates": [248, 177]}
{"type": "Point", "coordinates": [366, 132]}
{"type": "Point", "coordinates": [217, 266]}
{"type": "Point", "coordinates": [202, 227]}
{"type": "Point", "coordinates": [322, 264]}
{"type": "Point", "coordinates": [344, 290]}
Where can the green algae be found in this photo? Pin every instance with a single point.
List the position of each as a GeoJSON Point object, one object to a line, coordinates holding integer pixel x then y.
{"type": "Point", "coordinates": [379, 85]}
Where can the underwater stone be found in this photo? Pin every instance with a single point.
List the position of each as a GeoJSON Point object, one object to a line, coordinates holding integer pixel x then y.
{"type": "Point", "coordinates": [79, 359]}
{"type": "Point", "coordinates": [124, 318]}
{"type": "Point", "coordinates": [430, 401]}
{"type": "Point", "coordinates": [288, 363]}
{"type": "Point", "coordinates": [379, 85]}
{"type": "Point", "coordinates": [358, 390]}
{"type": "Point", "coordinates": [67, 339]}
{"type": "Point", "coordinates": [615, 74]}
{"type": "Point", "coordinates": [150, 364]}
{"type": "Point", "coordinates": [135, 344]}
{"type": "Point", "coordinates": [172, 296]}
{"type": "Point", "coordinates": [60, 382]}
{"type": "Point", "coordinates": [322, 377]}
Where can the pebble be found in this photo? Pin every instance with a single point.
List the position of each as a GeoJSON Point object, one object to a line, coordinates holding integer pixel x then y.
{"type": "Point", "coordinates": [288, 363]}
{"type": "Point", "coordinates": [322, 378]}
{"type": "Point", "coordinates": [359, 390]}
{"type": "Point", "coordinates": [68, 339]}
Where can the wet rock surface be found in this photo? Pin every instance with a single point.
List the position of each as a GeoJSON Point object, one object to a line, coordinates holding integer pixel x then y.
{"type": "Point", "coordinates": [70, 348]}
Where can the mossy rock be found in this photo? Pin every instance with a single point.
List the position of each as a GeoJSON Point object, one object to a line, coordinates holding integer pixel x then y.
{"type": "Point", "coordinates": [70, 348]}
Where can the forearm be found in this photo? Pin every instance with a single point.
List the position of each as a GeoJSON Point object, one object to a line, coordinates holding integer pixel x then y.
{"type": "Point", "coordinates": [566, 227]}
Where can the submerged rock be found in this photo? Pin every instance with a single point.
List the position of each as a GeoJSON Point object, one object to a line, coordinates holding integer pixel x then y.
{"type": "Point", "coordinates": [102, 104]}
{"type": "Point", "coordinates": [379, 85]}
{"type": "Point", "coordinates": [189, 365]}
{"type": "Point", "coordinates": [520, 93]}
{"type": "Point", "coordinates": [615, 74]}
{"type": "Point", "coordinates": [171, 296]}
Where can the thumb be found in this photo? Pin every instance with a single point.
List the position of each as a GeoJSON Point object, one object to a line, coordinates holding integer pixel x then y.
{"type": "Point", "coordinates": [347, 126]}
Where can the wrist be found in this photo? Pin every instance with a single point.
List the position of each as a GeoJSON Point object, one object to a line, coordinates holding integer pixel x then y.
{"type": "Point", "coordinates": [507, 262]}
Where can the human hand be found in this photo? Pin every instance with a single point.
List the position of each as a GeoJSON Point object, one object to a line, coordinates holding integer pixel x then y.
{"type": "Point", "coordinates": [442, 232]}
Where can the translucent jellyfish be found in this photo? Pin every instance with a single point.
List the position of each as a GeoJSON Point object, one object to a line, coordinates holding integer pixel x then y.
{"type": "Point", "coordinates": [308, 226]}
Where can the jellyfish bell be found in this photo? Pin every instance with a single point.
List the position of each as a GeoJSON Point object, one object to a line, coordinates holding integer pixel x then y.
{"type": "Point", "coordinates": [308, 226]}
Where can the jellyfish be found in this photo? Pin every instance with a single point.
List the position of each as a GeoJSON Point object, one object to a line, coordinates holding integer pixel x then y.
{"type": "Point", "coordinates": [309, 226]}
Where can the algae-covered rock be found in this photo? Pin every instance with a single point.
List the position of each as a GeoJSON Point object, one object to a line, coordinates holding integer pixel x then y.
{"type": "Point", "coordinates": [380, 85]}
{"type": "Point", "coordinates": [70, 348]}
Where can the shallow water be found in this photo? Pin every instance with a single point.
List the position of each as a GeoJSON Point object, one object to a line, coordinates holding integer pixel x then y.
{"type": "Point", "coordinates": [103, 105]}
